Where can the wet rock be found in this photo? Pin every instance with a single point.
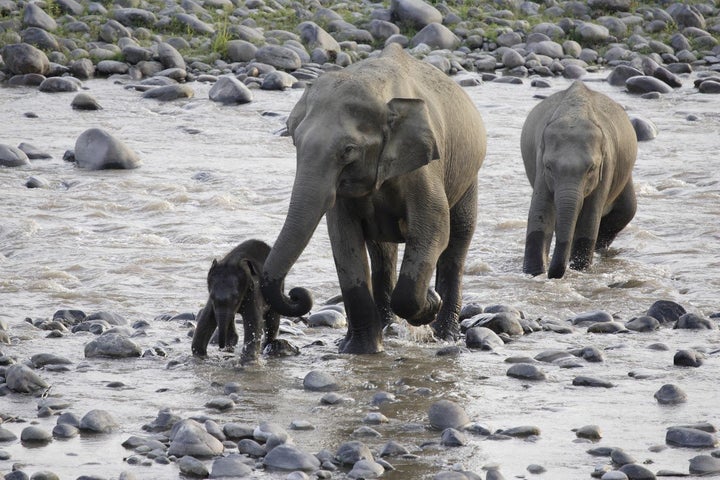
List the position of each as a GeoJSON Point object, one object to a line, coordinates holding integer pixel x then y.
{"type": "Point", "coordinates": [327, 318]}
{"type": "Point", "coordinates": [607, 327]}
{"type": "Point", "coordinates": [637, 472]}
{"type": "Point", "coordinates": [447, 414]}
{"type": "Point", "coordinates": [69, 418]}
{"type": "Point", "coordinates": [552, 356]}
{"type": "Point", "coordinates": [169, 56]}
{"type": "Point", "coordinates": [393, 449]}
{"type": "Point", "coordinates": [621, 73]}
{"type": "Point", "coordinates": [33, 152]}
{"type": "Point", "coordinates": [666, 311]}
{"type": "Point", "coordinates": [278, 80]}
{"type": "Point", "coordinates": [590, 354]}
{"type": "Point", "coordinates": [614, 475]}
{"type": "Point", "coordinates": [40, 360]}
{"type": "Point", "coordinates": [452, 437]}
{"type": "Point", "coordinates": [366, 432]}
{"type": "Point", "coordinates": [266, 430]}
{"type": "Point", "coordinates": [646, 84]}
{"type": "Point", "coordinates": [6, 435]}
{"type": "Point", "coordinates": [85, 101]}
{"type": "Point", "coordinates": [302, 425]}
{"type": "Point", "coordinates": [585, 381]}
{"type": "Point", "coordinates": [644, 129]}
{"type": "Point", "coordinates": [112, 345]}
{"type": "Point", "coordinates": [334, 398]}
{"type": "Point", "coordinates": [229, 90]}
{"type": "Point", "coordinates": [590, 432]}
{"type": "Point", "coordinates": [319, 381]}
{"type": "Point", "coordinates": [709, 86]}
{"type": "Point", "coordinates": [522, 431]}
{"type": "Point", "coordinates": [688, 358]}
{"type": "Point", "coordinates": [314, 37]}
{"type": "Point", "coordinates": [222, 404]}
{"type": "Point", "coordinates": [366, 469]}
{"type": "Point", "coordinates": [593, 33]}
{"type": "Point", "coordinates": [690, 438]}
{"type": "Point", "coordinates": [21, 379]}
{"type": "Point", "coordinates": [231, 466]}
{"type": "Point", "coordinates": [670, 395]}
{"type": "Point", "coordinates": [188, 437]}
{"type": "Point", "coordinates": [33, 434]}
{"type": "Point", "coordinates": [164, 421]}
{"type": "Point", "coordinates": [352, 452]}
{"type": "Point", "coordinates": [98, 421]}
{"type": "Point", "coordinates": [482, 338]}
{"type": "Point", "coordinates": [169, 93]}
{"type": "Point", "coordinates": [251, 448]}
{"type": "Point", "coordinates": [621, 457]}
{"type": "Point", "coordinates": [591, 318]}
{"type": "Point", "coordinates": [192, 467]}
{"type": "Point", "coordinates": [436, 36]}
{"type": "Point", "coordinates": [280, 57]}
{"type": "Point", "coordinates": [12, 157]}
{"type": "Point", "coordinates": [289, 457]}
{"type": "Point", "coordinates": [96, 149]}
{"type": "Point", "coordinates": [22, 58]}
{"type": "Point", "coordinates": [644, 323]}
{"type": "Point", "coordinates": [414, 13]}
{"type": "Point", "coordinates": [524, 371]}
{"type": "Point", "coordinates": [692, 321]}
{"type": "Point", "coordinates": [59, 84]}
{"type": "Point", "coordinates": [64, 430]}
{"type": "Point", "coordinates": [375, 418]}
{"type": "Point", "coordinates": [704, 465]}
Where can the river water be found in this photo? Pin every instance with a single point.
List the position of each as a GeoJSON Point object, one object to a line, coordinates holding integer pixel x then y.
{"type": "Point", "coordinates": [139, 243]}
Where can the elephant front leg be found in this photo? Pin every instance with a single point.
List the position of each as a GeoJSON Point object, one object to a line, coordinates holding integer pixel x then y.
{"type": "Point", "coordinates": [540, 227]}
{"type": "Point", "coordinates": [383, 259]}
{"type": "Point", "coordinates": [252, 332]}
{"type": "Point", "coordinates": [364, 333]}
{"type": "Point", "coordinates": [451, 264]}
{"type": "Point", "coordinates": [203, 331]}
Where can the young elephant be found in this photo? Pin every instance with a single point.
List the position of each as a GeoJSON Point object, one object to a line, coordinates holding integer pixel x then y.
{"type": "Point", "coordinates": [233, 287]}
{"type": "Point", "coordinates": [579, 149]}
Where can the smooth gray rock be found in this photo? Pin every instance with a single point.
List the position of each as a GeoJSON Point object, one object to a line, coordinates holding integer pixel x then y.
{"type": "Point", "coordinates": [169, 93]}
{"type": "Point", "coordinates": [585, 381]}
{"type": "Point", "coordinates": [278, 80]}
{"type": "Point", "coordinates": [96, 149]}
{"type": "Point", "coordinates": [646, 84]}
{"type": "Point", "coordinates": [36, 182]}
{"type": "Point", "coordinates": [21, 379]}
{"type": "Point", "coordinates": [82, 68]}
{"type": "Point", "coordinates": [280, 57]}
{"type": "Point", "coordinates": [289, 457]}
{"type": "Point", "coordinates": [112, 67]}
{"type": "Point", "coordinates": [112, 345]}
{"type": "Point", "coordinates": [588, 318]}
{"type": "Point", "coordinates": [690, 438]}
{"type": "Point", "coordinates": [34, 16]}
{"type": "Point", "coordinates": [524, 371]}
{"type": "Point", "coordinates": [12, 156]}
{"type": "Point", "coordinates": [228, 90]}
{"type": "Point", "coordinates": [436, 36]}
{"type": "Point", "coordinates": [319, 381]}
{"type": "Point", "coordinates": [352, 452]}
{"type": "Point", "coordinates": [35, 434]}
{"type": "Point", "coordinates": [692, 321]}
{"type": "Point", "coordinates": [327, 318]}
{"type": "Point", "coordinates": [666, 311]}
{"type": "Point", "coordinates": [414, 13]}
{"type": "Point", "coordinates": [63, 430]}
{"type": "Point", "coordinates": [688, 358]}
{"type": "Point", "coordinates": [314, 37]}
{"type": "Point", "coordinates": [240, 50]}
{"type": "Point", "coordinates": [452, 437]}
{"type": "Point", "coordinates": [231, 466]}
{"type": "Point", "coordinates": [704, 465]}
{"type": "Point", "coordinates": [169, 56]}
{"type": "Point", "coordinates": [447, 414]}
{"type": "Point", "coordinates": [22, 58]}
{"type": "Point", "coordinates": [511, 58]}
{"type": "Point", "coordinates": [195, 24]}
{"type": "Point", "coordinates": [635, 471]}
{"type": "Point", "coordinates": [188, 437]}
{"type": "Point", "coordinates": [251, 448]}
{"type": "Point", "coordinates": [548, 48]}
{"type": "Point", "coordinates": [134, 17]}
{"type": "Point", "coordinates": [592, 33]}
{"type": "Point", "coordinates": [192, 467]}
{"type": "Point", "coordinates": [366, 469]}
{"type": "Point", "coordinates": [59, 84]}
{"type": "Point", "coordinates": [483, 338]}
{"type": "Point", "coordinates": [670, 395]}
{"type": "Point", "coordinates": [98, 421]}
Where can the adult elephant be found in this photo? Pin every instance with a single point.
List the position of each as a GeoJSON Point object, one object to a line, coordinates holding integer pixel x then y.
{"type": "Point", "coordinates": [579, 149]}
{"type": "Point", "coordinates": [389, 148]}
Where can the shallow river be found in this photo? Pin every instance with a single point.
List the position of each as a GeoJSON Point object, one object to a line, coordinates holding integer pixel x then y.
{"type": "Point", "coordinates": [139, 243]}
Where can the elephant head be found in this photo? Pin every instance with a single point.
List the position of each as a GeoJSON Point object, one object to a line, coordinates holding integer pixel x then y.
{"type": "Point", "coordinates": [350, 138]}
{"type": "Point", "coordinates": [572, 159]}
{"type": "Point", "coordinates": [228, 285]}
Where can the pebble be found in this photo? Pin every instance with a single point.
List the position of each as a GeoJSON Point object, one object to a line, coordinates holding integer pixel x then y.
{"type": "Point", "coordinates": [447, 414]}
{"type": "Point", "coordinates": [523, 431]}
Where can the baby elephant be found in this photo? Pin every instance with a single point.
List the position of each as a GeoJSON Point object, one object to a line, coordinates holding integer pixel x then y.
{"type": "Point", "coordinates": [233, 287]}
{"type": "Point", "coordinates": [579, 149]}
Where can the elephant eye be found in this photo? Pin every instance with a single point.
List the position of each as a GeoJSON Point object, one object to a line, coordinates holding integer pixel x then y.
{"type": "Point", "coordinates": [348, 151]}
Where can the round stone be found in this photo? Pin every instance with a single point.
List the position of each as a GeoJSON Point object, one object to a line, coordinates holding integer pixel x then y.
{"type": "Point", "coordinates": [447, 414]}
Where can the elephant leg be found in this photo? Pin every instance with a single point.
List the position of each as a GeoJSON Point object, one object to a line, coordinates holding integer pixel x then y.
{"type": "Point", "coordinates": [364, 333]}
{"type": "Point", "coordinates": [203, 331]}
{"type": "Point", "coordinates": [451, 263]}
{"type": "Point", "coordinates": [586, 230]}
{"type": "Point", "coordinates": [540, 228]}
{"type": "Point", "coordinates": [383, 259]}
{"type": "Point", "coordinates": [618, 218]}
{"type": "Point", "coordinates": [427, 237]}
{"type": "Point", "coordinates": [252, 331]}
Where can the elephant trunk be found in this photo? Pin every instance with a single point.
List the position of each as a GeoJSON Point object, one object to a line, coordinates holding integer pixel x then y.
{"type": "Point", "coordinates": [307, 206]}
{"type": "Point", "coordinates": [568, 202]}
{"type": "Point", "coordinates": [223, 317]}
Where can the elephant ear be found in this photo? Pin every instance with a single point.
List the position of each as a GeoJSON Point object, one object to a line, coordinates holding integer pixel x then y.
{"type": "Point", "coordinates": [409, 139]}
{"type": "Point", "coordinates": [298, 112]}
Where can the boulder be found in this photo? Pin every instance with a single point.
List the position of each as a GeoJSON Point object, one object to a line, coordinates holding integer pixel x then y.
{"type": "Point", "coordinates": [414, 13]}
{"type": "Point", "coordinates": [230, 91]}
{"type": "Point", "coordinates": [96, 149]}
{"type": "Point", "coordinates": [22, 58]}
{"type": "Point", "coordinates": [436, 36]}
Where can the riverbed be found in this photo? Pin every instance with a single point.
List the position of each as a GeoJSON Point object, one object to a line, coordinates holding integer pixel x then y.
{"type": "Point", "coordinates": [139, 243]}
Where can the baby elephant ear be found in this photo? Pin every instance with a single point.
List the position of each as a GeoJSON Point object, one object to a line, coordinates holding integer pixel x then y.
{"type": "Point", "coordinates": [409, 139]}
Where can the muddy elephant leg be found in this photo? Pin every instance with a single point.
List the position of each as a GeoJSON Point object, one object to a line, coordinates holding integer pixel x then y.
{"type": "Point", "coordinates": [383, 259]}
{"type": "Point", "coordinates": [203, 331]}
{"type": "Point", "coordinates": [540, 228]}
{"type": "Point", "coordinates": [364, 333]}
{"type": "Point", "coordinates": [618, 218]}
{"type": "Point", "coordinates": [413, 299]}
{"type": "Point", "coordinates": [451, 263]}
{"type": "Point", "coordinates": [252, 331]}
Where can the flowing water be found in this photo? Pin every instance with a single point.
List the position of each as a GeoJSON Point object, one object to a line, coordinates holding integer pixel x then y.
{"type": "Point", "coordinates": [139, 243]}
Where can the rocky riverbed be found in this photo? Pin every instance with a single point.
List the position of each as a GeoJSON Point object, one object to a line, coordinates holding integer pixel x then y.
{"type": "Point", "coordinates": [587, 377]}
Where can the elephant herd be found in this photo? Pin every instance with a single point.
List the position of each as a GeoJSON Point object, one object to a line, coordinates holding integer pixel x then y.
{"type": "Point", "coordinates": [381, 155]}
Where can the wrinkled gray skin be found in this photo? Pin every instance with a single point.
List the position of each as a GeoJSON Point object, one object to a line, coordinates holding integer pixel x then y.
{"type": "Point", "coordinates": [389, 148]}
{"type": "Point", "coordinates": [579, 149]}
{"type": "Point", "coordinates": [233, 286]}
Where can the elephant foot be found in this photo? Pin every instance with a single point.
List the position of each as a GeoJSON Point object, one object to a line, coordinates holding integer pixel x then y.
{"type": "Point", "coordinates": [427, 315]}
{"type": "Point", "coordinates": [199, 352]}
{"type": "Point", "coordinates": [360, 343]}
{"type": "Point", "coordinates": [250, 353]}
{"type": "Point", "coordinates": [280, 348]}
{"type": "Point", "coordinates": [447, 328]}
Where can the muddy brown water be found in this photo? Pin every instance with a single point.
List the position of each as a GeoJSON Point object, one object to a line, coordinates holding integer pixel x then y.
{"type": "Point", "coordinates": [139, 243]}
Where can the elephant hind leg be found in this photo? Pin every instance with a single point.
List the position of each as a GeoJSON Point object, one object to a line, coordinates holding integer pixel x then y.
{"type": "Point", "coordinates": [618, 218]}
{"type": "Point", "coordinates": [451, 263]}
